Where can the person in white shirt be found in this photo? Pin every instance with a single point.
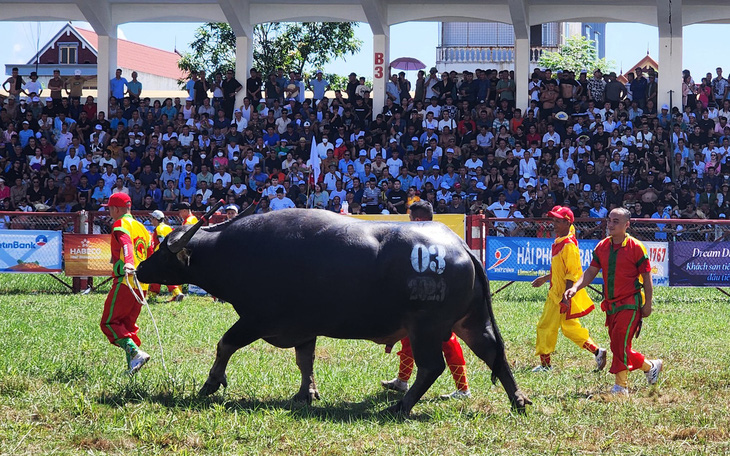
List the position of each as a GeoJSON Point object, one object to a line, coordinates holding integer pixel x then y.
{"type": "Point", "coordinates": [473, 163]}
{"type": "Point", "coordinates": [500, 208]}
{"type": "Point", "coordinates": [709, 150]}
{"type": "Point", "coordinates": [281, 201]}
{"type": "Point", "coordinates": [64, 139]}
{"type": "Point", "coordinates": [324, 146]}
{"type": "Point", "coordinates": [528, 166]}
{"type": "Point", "coordinates": [270, 191]}
{"type": "Point", "coordinates": [71, 159]}
{"type": "Point", "coordinates": [430, 122]}
{"type": "Point", "coordinates": [338, 191]}
{"type": "Point", "coordinates": [223, 176]}
{"type": "Point", "coordinates": [239, 122]}
{"type": "Point", "coordinates": [394, 164]}
{"type": "Point", "coordinates": [550, 135]}
{"type": "Point", "coordinates": [447, 121]}
{"type": "Point", "coordinates": [525, 182]}
{"type": "Point", "coordinates": [564, 162]}
{"type": "Point", "coordinates": [571, 178]}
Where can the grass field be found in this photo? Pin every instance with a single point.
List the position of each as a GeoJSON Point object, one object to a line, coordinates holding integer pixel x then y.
{"type": "Point", "coordinates": [63, 390]}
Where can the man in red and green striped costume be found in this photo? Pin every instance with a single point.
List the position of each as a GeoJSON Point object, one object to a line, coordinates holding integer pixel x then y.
{"type": "Point", "coordinates": [130, 245]}
{"type": "Point", "coordinates": [628, 291]}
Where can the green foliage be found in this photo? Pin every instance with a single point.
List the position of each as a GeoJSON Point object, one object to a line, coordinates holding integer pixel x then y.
{"type": "Point", "coordinates": [578, 53]}
{"type": "Point", "coordinates": [213, 50]}
{"type": "Point", "coordinates": [291, 46]}
{"type": "Point", "coordinates": [63, 390]}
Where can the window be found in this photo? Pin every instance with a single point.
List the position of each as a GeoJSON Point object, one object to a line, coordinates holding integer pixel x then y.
{"type": "Point", "coordinates": [68, 53]}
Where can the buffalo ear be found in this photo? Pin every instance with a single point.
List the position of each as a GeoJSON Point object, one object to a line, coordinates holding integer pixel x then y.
{"type": "Point", "coordinates": [184, 257]}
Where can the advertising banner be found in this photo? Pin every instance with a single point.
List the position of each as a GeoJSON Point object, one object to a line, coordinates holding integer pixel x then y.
{"type": "Point", "coordinates": [524, 259]}
{"type": "Point", "coordinates": [699, 264]}
{"type": "Point", "coordinates": [30, 251]}
{"type": "Point", "coordinates": [87, 255]}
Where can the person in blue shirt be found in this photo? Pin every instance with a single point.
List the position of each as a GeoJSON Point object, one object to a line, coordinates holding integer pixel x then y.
{"type": "Point", "coordinates": [190, 85]}
{"type": "Point", "coordinates": [598, 211]}
{"type": "Point", "coordinates": [271, 137]}
{"type": "Point", "coordinates": [25, 134]}
{"type": "Point", "coordinates": [118, 85]}
{"type": "Point", "coordinates": [367, 173]}
{"type": "Point", "coordinates": [344, 162]}
{"type": "Point", "coordinates": [93, 174]}
{"type": "Point", "coordinates": [319, 86]}
{"type": "Point", "coordinates": [155, 193]}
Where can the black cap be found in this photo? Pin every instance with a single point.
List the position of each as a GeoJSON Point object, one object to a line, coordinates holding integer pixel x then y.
{"type": "Point", "coordinates": [279, 190]}
{"type": "Point", "coordinates": [184, 205]}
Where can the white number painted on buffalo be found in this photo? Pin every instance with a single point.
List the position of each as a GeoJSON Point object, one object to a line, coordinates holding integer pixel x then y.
{"type": "Point", "coordinates": [424, 258]}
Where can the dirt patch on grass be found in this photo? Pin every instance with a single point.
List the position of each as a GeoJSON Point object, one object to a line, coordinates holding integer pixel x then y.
{"type": "Point", "coordinates": [96, 443]}
{"type": "Point", "coordinates": [703, 434]}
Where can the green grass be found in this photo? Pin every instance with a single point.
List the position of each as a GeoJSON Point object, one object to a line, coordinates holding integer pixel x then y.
{"type": "Point", "coordinates": [63, 391]}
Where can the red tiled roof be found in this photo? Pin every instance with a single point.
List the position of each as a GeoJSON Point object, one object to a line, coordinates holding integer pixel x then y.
{"type": "Point", "coordinates": [141, 58]}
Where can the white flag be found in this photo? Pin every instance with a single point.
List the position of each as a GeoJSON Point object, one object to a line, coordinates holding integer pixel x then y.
{"type": "Point", "coordinates": [314, 162]}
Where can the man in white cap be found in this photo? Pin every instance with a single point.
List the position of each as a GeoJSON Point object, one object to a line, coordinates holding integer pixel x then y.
{"type": "Point", "coordinates": [231, 211]}
{"type": "Point", "coordinates": [75, 85]}
{"type": "Point", "coordinates": [162, 230]}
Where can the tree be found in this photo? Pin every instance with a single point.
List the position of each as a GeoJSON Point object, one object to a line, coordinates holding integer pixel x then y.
{"type": "Point", "coordinates": [577, 54]}
{"type": "Point", "coordinates": [292, 46]}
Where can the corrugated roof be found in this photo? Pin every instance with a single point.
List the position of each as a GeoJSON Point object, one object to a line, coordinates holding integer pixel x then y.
{"type": "Point", "coordinates": [141, 58]}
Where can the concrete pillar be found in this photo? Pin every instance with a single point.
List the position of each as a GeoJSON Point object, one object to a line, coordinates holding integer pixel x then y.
{"type": "Point", "coordinates": [522, 72]}
{"type": "Point", "coordinates": [381, 71]}
{"type": "Point", "coordinates": [244, 63]}
{"type": "Point", "coordinates": [106, 65]}
{"type": "Point", "coordinates": [670, 70]}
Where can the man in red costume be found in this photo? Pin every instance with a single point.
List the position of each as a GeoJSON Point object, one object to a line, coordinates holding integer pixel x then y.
{"type": "Point", "coordinates": [422, 211]}
{"type": "Point", "coordinates": [628, 292]}
{"type": "Point", "coordinates": [130, 245]}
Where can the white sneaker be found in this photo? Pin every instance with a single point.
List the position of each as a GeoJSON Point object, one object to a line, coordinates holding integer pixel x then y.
{"type": "Point", "coordinates": [178, 298]}
{"type": "Point", "coordinates": [653, 374]}
{"type": "Point", "coordinates": [457, 395]}
{"type": "Point", "coordinates": [542, 368]}
{"type": "Point", "coordinates": [137, 362]}
{"type": "Point", "coordinates": [601, 359]}
{"type": "Point", "coordinates": [619, 390]}
{"type": "Point", "coordinates": [396, 385]}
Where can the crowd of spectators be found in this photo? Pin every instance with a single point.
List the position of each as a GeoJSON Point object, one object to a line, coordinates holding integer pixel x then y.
{"type": "Point", "coordinates": [456, 140]}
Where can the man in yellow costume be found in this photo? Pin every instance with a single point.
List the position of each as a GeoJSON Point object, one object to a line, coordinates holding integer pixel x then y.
{"type": "Point", "coordinates": [565, 270]}
{"type": "Point", "coordinates": [162, 230]}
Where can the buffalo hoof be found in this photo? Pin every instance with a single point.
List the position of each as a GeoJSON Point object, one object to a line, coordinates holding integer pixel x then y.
{"type": "Point", "coordinates": [520, 402]}
{"type": "Point", "coordinates": [306, 396]}
{"type": "Point", "coordinates": [396, 411]}
{"type": "Point", "coordinates": [211, 386]}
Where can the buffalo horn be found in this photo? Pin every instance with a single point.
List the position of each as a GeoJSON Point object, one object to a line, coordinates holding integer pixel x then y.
{"type": "Point", "coordinates": [179, 244]}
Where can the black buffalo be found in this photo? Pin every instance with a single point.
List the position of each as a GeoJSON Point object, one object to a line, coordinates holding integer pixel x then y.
{"type": "Point", "coordinates": [344, 278]}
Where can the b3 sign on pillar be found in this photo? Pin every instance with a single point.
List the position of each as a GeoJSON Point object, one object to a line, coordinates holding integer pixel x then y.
{"type": "Point", "coordinates": [379, 68]}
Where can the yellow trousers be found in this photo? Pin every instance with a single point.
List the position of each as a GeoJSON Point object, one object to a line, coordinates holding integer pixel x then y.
{"type": "Point", "coordinates": [547, 329]}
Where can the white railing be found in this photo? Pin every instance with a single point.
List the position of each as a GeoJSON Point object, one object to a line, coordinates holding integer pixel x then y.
{"type": "Point", "coordinates": [484, 54]}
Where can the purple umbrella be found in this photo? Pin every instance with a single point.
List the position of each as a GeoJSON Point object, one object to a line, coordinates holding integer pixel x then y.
{"type": "Point", "coordinates": [407, 64]}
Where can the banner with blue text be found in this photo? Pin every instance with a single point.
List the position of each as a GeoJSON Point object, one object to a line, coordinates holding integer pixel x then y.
{"type": "Point", "coordinates": [524, 259]}
{"type": "Point", "coordinates": [30, 251]}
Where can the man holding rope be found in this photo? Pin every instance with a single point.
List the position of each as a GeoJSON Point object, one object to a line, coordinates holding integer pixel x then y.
{"type": "Point", "coordinates": [628, 294]}
{"type": "Point", "coordinates": [422, 211]}
{"type": "Point", "coordinates": [130, 245]}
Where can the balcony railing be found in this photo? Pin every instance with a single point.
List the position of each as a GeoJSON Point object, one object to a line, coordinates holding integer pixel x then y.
{"type": "Point", "coordinates": [484, 54]}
